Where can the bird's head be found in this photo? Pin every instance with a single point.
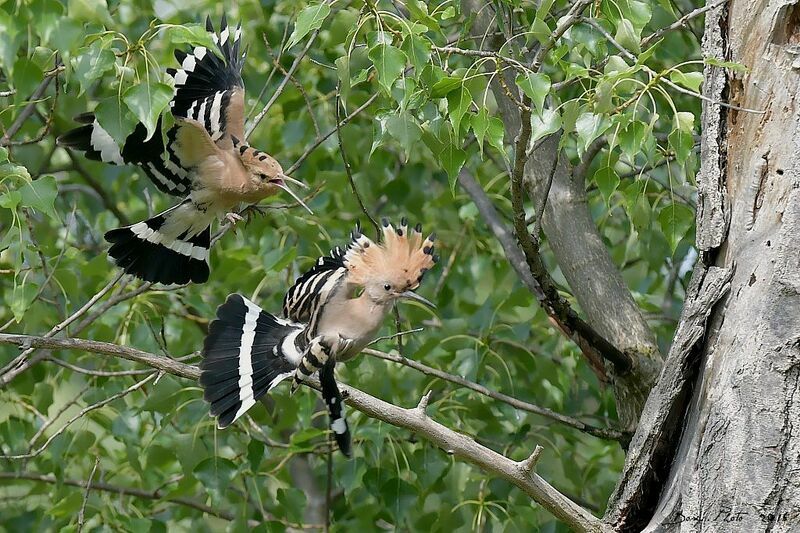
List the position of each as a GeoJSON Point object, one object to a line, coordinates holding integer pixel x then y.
{"type": "Point", "coordinates": [393, 269]}
{"type": "Point", "coordinates": [266, 174]}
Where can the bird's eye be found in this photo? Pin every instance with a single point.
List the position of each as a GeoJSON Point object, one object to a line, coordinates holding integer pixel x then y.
{"type": "Point", "coordinates": [262, 176]}
{"type": "Point", "coordinates": [387, 287]}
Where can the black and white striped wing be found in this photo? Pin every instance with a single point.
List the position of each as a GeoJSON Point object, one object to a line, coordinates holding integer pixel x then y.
{"type": "Point", "coordinates": [163, 168]}
{"type": "Point", "coordinates": [209, 88]}
{"type": "Point", "coordinates": [311, 290]}
{"type": "Point", "coordinates": [246, 353]}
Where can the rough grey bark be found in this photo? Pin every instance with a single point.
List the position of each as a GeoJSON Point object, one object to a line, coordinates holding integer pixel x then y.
{"type": "Point", "coordinates": [735, 466]}
{"type": "Point", "coordinates": [575, 241]}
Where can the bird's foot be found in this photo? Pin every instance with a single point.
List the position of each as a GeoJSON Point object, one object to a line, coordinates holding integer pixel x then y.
{"type": "Point", "coordinates": [233, 218]}
{"type": "Point", "coordinates": [252, 210]}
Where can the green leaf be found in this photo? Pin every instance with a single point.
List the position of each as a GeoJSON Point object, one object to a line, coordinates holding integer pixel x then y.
{"type": "Point", "coordinates": [544, 9]}
{"type": "Point", "coordinates": [627, 36]}
{"type": "Point", "coordinates": [615, 65]}
{"type": "Point", "coordinates": [90, 10]}
{"type": "Point", "coordinates": [452, 158]}
{"type": "Point", "coordinates": [545, 124]}
{"type": "Point", "coordinates": [631, 139]}
{"type": "Point", "coordinates": [93, 63]}
{"type": "Point", "coordinates": [193, 34]}
{"type": "Point", "coordinates": [10, 200]}
{"type": "Point", "coordinates": [309, 19]}
{"type": "Point", "coordinates": [419, 12]}
{"type": "Point", "coordinates": [480, 125]}
{"type": "Point", "coordinates": [21, 298]}
{"type": "Point", "coordinates": [738, 67]}
{"type": "Point", "coordinates": [445, 86]}
{"type": "Point", "coordinates": [405, 129]}
{"type": "Point", "coordinates": [458, 103]}
{"type": "Point", "coordinates": [343, 73]}
{"type": "Point", "coordinates": [535, 86]}
{"type": "Point", "coordinates": [682, 143]}
{"type": "Point", "coordinates": [540, 30]}
{"type": "Point", "coordinates": [115, 119]}
{"type": "Point", "coordinates": [675, 220]}
{"type": "Point", "coordinates": [496, 133]}
{"type": "Point", "coordinates": [607, 182]}
{"type": "Point", "coordinates": [690, 80]}
{"type": "Point", "coordinates": [41, 194]}
{"type": "Point", "coordinates": [637, 205]}
{"type": "Point", "coordinates": [146, 102]}
{"type": "Point", "coordinates": [589, 127]}
{"type": "Point", "coordinates": [418, 50]}
{"type": "Point", "coordinates": [389, 61]}
{"type": "Point", "coordinates": [639, 13]}
{"type": "Point", "coordinates": [215, 473]}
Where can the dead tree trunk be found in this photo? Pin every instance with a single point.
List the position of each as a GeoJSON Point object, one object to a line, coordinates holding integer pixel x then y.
{"type": "Point", "coordinates": [718, 447]}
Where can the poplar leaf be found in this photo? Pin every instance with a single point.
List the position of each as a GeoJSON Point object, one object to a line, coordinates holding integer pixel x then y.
{"type": "Point", "coordinates": [309, 19]}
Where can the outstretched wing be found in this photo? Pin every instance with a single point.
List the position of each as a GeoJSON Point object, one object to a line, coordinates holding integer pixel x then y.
{"type": "Point", "coordinates": [208, 88]}
{"type": "Point", "coordinates": [163, 168]}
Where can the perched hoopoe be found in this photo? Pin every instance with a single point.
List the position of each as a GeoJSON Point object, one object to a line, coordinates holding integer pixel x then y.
{"type": "Point", "coordinates": [329, 315]}
{"type": "Point", "coordinates": [205, 162]}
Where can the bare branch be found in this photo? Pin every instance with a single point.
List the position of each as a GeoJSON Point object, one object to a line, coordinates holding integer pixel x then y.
{"type": "Point", "coordinates": [423, 403]}
{"type": "Point", "coordinates": [86, 494]}
{"type": "Point", "coordinates": [123, 491]}
{"type": "Point", "coordinates": [452, 442]}
{"type": "Point", "coordinates": [80, 414]}
{"type": "Point", "coordinates": [347, 168]}
{"type": "Point", "coordinates": [19, 365]}
{"type": "Point", "coordinates": [602, 433]}
{"type": "Point", "coordinates": [683, 21]}
{"type": "Point", "coordinates": [282, 85]}
{"type": "Point", "coordinates": [529, 464]}
{"type": "Point", "coordinates": [325, 137]}
{"type": "Point", "coordinates": [33, 100]}
{"type": "Point", "coordinates": [565, 23]}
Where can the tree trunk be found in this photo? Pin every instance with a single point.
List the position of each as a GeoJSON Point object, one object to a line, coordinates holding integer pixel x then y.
{"type": "Point", "coordinates": [717, 448]}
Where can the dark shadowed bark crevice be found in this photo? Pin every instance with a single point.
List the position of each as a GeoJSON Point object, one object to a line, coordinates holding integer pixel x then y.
{"type": "Point", "coordinates": [718, 446]}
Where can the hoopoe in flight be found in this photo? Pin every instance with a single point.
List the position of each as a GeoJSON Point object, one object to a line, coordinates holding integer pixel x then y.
{"type": "Point", "coordinates": [330, 314]}
{"type": "Point", "coordinates": [206, 163]}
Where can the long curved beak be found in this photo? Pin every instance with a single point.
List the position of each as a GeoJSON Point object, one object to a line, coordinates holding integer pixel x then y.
{"type": "Point", "coordinates": [292, 180]}
{"type": "Point", "coordinates": [410, 295]}
{"type": "Point", "coordinates": [280, 183]}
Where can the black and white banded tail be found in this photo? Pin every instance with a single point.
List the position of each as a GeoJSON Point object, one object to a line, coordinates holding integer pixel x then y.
{"type": "Point", "coordinates": [247, 352]}
{"type": "Point", "coordinates": [153, 250]}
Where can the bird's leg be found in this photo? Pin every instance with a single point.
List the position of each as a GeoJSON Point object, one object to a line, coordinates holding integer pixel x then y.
{"type": "Point", "coordinates": [315, 356]}
{"type": "Point", "coordinates": [252, 210]}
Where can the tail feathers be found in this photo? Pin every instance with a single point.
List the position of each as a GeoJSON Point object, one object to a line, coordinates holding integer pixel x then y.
{"type": "Point", "coordinates": [247, 352]}
{"type": "Point", "coordinates": [152, 255]}
{"type": "Point", "coordinates": [333, 400]}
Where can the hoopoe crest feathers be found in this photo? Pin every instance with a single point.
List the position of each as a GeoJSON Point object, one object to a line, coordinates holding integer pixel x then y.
{"type": "Point", "coordinates": [399, 262]}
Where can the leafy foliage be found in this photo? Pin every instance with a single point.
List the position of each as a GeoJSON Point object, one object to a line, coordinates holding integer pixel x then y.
{"type": "Point", "coordinates": [434, 116]}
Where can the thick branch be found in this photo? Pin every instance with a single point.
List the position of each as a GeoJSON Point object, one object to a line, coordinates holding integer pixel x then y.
{"type": "Point", "coordinates": [534, 275]}
{"type": "Point", "coordinates": [413, 419]}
